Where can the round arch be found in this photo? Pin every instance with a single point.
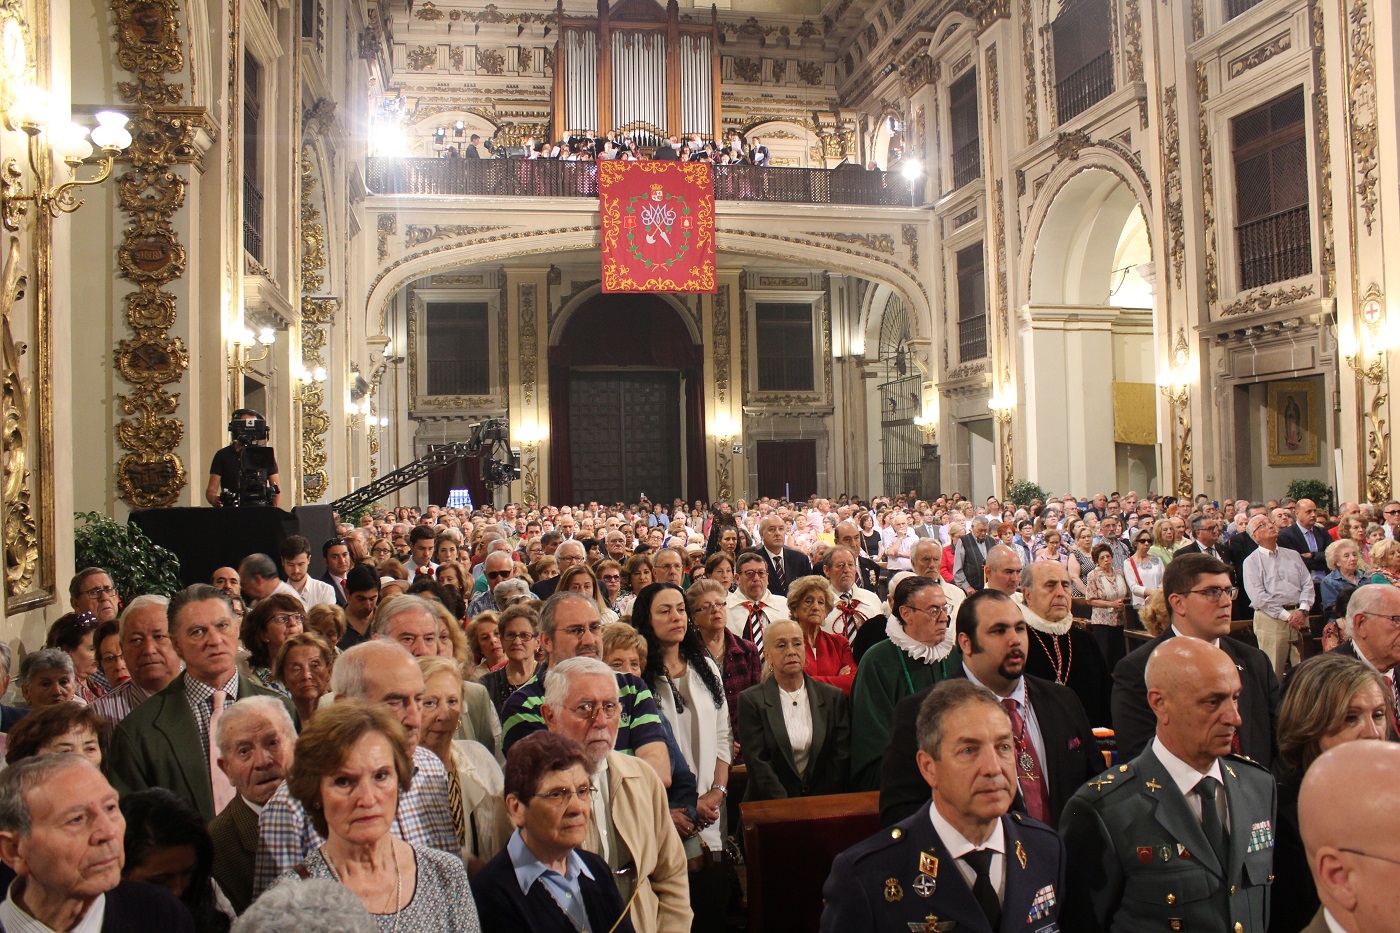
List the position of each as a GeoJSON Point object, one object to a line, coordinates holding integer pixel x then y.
{"type": "Point", "coordinates": [788, 143]}
{"type": "Point", "coordinates": [420, 130]}
{"type": "Point", "coordinates": [1075, 227]}
{"type": "Point", "coordinates": [561, 323]}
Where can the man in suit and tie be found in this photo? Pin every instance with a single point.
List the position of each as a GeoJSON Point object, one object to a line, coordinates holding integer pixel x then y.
{"type": "Point", "coordinates": [749, 610]}
{"type": "Point", "coordinates": [1350, 837]}
{"type": "Point", "coordinates": [336, 553]}
{"type": "Point", "coordinates": [1370, 630]}
{"type": "Point", "coordinates": [855, 607]}
{"type": "Point", "coordinates": [1181, 837]}
{"type": "Point", "coordinates": [962, 861]}
{"type": "Point", "coordinates": [927, 527]}
{"type": "Point", "coordinates": [971, 556]}
{"type": "Point", "coordinates": [1205, 529]}
{"type": "Point", "coordinates": [1055, 749]}
{"type": "Point", "coordinates": [61, 831]}
{"type": "Point", "coordinates": [255, 740]}
{"type": "Point", "coordinates": [758, 153]}
{"type": "Point", "coordinates": [785, 564]}
{"type": "Point", "coordinates": [1198, 593]}
{"type": "Point", "coordinates": [1307, 538]}
{"type": "Point", "coordinates": [166, 741]}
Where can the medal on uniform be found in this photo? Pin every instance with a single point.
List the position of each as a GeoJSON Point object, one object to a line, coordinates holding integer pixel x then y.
{"type": "Point", "coordinates": [1182, 851]}
{"type": "Point", "coordinates": [924, 886]}
{"type": "Point", "coordinates": [893, 892]}
{"type": "Point", "coordinates": [928, 864]}
{"type": "Point", "coordinates": [1144, 854]}
{"type": "Point", "coordinates": [1165, 853]}
{"type": "Point", "coordinates": [1026, 761]}
{"type": "Point", "coordinates": [1021, 854]}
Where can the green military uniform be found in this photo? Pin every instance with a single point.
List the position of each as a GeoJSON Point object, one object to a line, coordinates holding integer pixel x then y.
{"type": "Point", "coordinates": [1140, 861]}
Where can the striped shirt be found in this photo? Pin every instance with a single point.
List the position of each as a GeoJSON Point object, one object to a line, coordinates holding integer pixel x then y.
{"type": "Point", "coordinates": [286, 837]}
{"type": "Point", "coordinates": [121, 701]}
{"type": "Point", "coordinates": [639, 724]}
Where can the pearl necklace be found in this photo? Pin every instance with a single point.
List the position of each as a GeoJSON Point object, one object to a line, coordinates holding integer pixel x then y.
{"type": "Point", "coordinates": [398, 880]}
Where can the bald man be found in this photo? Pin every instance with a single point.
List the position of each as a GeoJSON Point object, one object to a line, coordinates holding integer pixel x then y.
{"type": "Point", "coordinates": [1003, 570]}
{"type": "Point", "coordinates": [1181, 837]}
{"type": "Point", "coordinates": [1351, 838]}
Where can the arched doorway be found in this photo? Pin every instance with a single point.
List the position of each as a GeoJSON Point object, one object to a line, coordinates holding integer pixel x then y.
{"type": "Point", "coordinates": [901, 457]}
{"type": "Point", "coordinates": [1089, 349]}
{"type": "Point", "coordinates": [626, 406]}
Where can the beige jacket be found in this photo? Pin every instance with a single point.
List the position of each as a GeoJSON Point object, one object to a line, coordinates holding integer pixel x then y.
{"type": "Point", "coordinates": [642, 819]}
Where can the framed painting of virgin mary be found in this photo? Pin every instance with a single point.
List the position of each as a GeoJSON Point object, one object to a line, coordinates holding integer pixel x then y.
{"type": "Point", "coordinates": [1292, 423]}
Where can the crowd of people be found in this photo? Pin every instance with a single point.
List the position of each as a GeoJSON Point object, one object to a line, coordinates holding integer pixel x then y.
{"type": "Point", "coordinates": [1120, 714]}
{"type": "Point", "coordinates": [587, 146]}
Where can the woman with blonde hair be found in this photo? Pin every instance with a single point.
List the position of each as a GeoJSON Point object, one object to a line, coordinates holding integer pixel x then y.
{"type": "Point", "coordinates": [1385, 562]}
{"type": "Point", "coordinates": [583, 581]}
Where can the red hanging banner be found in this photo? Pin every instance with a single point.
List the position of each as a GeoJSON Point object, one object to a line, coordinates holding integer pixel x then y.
{"type": "Point", "coordinates": [658, 226]}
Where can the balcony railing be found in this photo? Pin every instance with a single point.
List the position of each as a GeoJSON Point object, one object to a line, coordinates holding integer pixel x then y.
{"type": "Point", "coordinates": [1235, 8]}
{"type": "Point", "coordinates": [972, 338]}
{"type": "Point", "coordinates": [550, 178]}
{"type": "Point", "coordinates": [785, 374]}
{"type": "Point", "coordinates": [1085, 88]}
{"type": "Point", "coordinates": [967, 163]}
{"type": "Point", "coordinates": [252, 218]}
{"type": "Point", "coordinates": [1275, 248]}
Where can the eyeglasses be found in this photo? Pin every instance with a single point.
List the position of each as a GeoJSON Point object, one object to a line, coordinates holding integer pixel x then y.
{"type": "Point", "coordinates": [1388, 512]}
{"type": "Point", "coordinates": [940, 613]}
{"type": "Point", "coordinates": [576, 631]}
{"type": "Point", "coordinates": [287, 618]}
{"type": "Point", "coordinates": [1394, 620]}
{"type": "Point", "coordinates": [588, 709]}
{"type": "Point", "coordinates": [517, 636]}
{"type": "Point", "coordinates": [561, 796]}
{"type": "Point", "coordinates": [498, 574]}
{"type": "Point", "coordinates": [1213, 593]}
{"type": "Point", "coordinates": [98, 591]}
{"type": "Point", "coordinates": [611, 578]}
{"type": "Point", "coordinates": [753, 574]}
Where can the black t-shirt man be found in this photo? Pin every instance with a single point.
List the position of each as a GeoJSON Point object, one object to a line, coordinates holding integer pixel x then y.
{"type": "Point", "coordinates": [224, 473]}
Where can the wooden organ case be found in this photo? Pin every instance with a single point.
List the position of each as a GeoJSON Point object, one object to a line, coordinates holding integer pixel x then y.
{"type": "Point", "coordinates": [637, 70]}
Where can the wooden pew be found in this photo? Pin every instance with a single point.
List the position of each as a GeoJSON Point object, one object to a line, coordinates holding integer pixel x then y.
{"type": "Point", "coordinates": [790, 846]}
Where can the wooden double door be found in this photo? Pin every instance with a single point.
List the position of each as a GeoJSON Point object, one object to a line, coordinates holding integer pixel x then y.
{"type": "Point", "coordinates": [625, 432]}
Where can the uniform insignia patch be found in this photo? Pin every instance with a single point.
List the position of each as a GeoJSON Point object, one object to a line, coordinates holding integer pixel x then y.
{"type": "Point", "coordinates": [1165, 853]}
{"type": "Point", "coordinates": [928, 864]}
{"type": "Point", "coordinates": [1144, 854]}
{"type": "Point", "coordinates": [1182, 851]}
{"type": "Point", "coordinates": [1021, 854]}
{"type": "Point", "coordinates": [1261, 836]}
{"type": "Point", "coordinates": [924, 886]}
{"type": "Point", "coordinates": [893, 892]}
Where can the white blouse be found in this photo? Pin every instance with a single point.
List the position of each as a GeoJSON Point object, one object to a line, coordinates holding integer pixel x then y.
{"type": "Point", "coordinates": [797, 719]}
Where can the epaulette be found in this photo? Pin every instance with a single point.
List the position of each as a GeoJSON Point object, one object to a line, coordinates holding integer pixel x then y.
{"type": "Point", "coordinates": [1028, 824]}
{"type": "Point", "coordinates": [1245, 759]}
{"type": "Point", "coordinates": [1110, 781]}
{"type": "Point", "coordinates": [882, 840]}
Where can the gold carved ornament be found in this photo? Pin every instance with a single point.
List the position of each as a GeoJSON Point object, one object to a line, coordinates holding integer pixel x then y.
{"type": "Point", "coordinates": [317, 313]}
{"type": "Point", "coordinates": [20, 530]}
{"type": "Point", "coordinates": [148, 36]}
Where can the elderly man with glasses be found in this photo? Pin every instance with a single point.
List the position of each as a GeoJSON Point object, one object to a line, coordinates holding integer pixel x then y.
{"type": "Point", "coordinates": [93, 592]}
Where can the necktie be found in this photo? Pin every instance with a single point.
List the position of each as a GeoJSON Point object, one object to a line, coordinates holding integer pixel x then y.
{"type": "Point", "coordinates": [1210, 819]}
{"type": "Point", "coordinates": [223, 790]}
{"type": "Point", "coordinates": [982, 887]}
{"type": "Point", "coordinates": [753, 629]}
{"type": "Point", "coordinates": [1028, 772]}
{"type": "Point", "coordinates": [851, 617]}
{"type": "Point", "coordinates": [454, 805]}
{"type": "Point", "coordinates": [779, 577]}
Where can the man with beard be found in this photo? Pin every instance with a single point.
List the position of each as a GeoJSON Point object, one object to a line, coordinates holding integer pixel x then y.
{"type": "Point", "coordinates": [1055, 750]}
{"type": "Point", "coordinates": [1060, 650]}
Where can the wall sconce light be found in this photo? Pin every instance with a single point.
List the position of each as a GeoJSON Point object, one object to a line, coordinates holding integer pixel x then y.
{"type": "Point", "coordinates": [240, 361]}
{"type": "Point", "coordinates": [1367, 358]}
{"type": "Point", "coordinates": [70, 142]}
{"type": "Point", "coordinates": [1003, 402]}
{"type": "Point", "coordinates": [723, 430]}
{"type": "Point", "coordinates": [309, 379]}
{"type": "Point", "coordinates": [1176, 387]}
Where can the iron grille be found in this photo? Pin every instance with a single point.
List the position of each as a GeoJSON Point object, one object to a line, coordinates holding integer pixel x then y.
{"type": "Point", "coordinates": [1084, 88]}
{"type": "Point", "coordinates": [1275, 248]}
{"type": "Point", "coordinates": [252, 219]}
{"type": "Point", "coordinates": [1235, 8]}
{"type": "Point", "coordinates": [901, 452]}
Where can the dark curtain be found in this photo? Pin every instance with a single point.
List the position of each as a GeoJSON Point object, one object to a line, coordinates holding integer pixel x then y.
{"type": "Point", "coordinates": [697, 473]}
{"type": "Point", "coordinates": [561, 470]}
{"type": "Point", "coordinates": [787, 468]}
{"type": "Point", "coordinates": [462, 474]}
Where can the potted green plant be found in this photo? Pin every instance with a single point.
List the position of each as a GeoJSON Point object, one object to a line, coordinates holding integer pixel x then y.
{"type": "Point", "coordinates": [136, 564]}
{"type": "Point", "coordinates": [1315, 489]}
{"type": "Point", "coordinates": [1024, 492]}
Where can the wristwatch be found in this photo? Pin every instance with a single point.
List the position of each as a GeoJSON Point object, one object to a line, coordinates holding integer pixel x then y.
{"type": "Point", "coordinates": [723, 790]}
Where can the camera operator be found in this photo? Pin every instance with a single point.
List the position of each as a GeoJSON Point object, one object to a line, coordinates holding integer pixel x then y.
{"type": "Point", "coordinates": [229, 478]}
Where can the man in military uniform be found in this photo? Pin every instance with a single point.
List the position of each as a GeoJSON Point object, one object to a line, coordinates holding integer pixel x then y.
{"type": "Point", "coordinates": [962, 862]}
{"type": "Point", "coordinates": [1181, 837]}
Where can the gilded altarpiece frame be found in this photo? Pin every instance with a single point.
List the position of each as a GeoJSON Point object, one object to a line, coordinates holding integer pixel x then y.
{"type": "Point", "coordinates": [26, 378]}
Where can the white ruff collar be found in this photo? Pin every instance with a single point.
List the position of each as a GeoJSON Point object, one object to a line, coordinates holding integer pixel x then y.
{"type": "Point", "coordinates": [917, 649]}
{"type": "Point", "coordinates": [1043, 625]}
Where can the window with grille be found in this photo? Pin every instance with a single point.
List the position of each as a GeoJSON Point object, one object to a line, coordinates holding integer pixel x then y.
{"type": "Point", "coordinates": [901, 401]}
{"type": "Point", "coordinates": [1235, 8]}
{"type": "Point", "coordinates": [962, 117]}
{"type": "Point", "coordinates": [1272, 231]}
{"type": "Point", "coordinates": [1083, 44]}
{"type": "Point", "coordinates": [252, 158]}
{"type": "Point", "coordinates": [784, 347]}
{"type": "Point", "coordinates": [972, 305]}
{"type": "Point", "coordinates": [457, 338]}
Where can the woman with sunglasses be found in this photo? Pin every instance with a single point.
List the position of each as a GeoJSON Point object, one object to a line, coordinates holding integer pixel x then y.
{"type": "Point", "coordinates": [74, 633]}
{"type": "Point", "coordinates": [1143, 570]}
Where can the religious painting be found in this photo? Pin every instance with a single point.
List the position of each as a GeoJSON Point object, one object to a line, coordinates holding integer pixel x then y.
{"type": "Point", "coordinates": [1292, 424]}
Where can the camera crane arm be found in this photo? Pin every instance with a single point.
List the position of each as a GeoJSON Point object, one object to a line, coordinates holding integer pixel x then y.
{"type": "Point", "coordinates": [489, 438]}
